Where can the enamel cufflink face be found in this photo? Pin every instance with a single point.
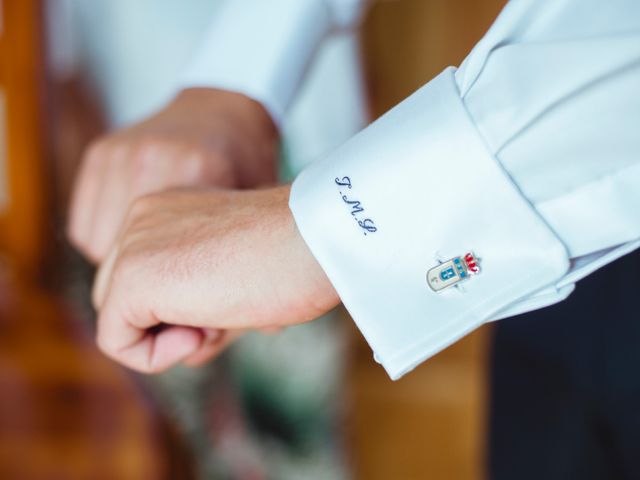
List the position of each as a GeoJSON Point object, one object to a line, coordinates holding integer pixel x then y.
{"type": "Point", "coordinates": [452, 272]}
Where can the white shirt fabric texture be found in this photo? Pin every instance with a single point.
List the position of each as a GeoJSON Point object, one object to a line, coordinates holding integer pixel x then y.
{"type": "Point", "coordinates": [527, 155]}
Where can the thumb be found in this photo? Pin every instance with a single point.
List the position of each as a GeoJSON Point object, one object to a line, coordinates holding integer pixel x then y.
{"type": "Point", "coordinates": [170, 346]}
{"type": "Point", "coordinates": [156, 349]}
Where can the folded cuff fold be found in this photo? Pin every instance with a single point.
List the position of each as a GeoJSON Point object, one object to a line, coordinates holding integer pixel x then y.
{"type": "Point", "coordinates": [416, 188]}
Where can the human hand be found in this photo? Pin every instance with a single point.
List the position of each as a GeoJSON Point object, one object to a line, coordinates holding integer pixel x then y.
{"type": "Point", "coordinates": [186, 261]}
{"type": "Point", "coordinates": [204, 137]}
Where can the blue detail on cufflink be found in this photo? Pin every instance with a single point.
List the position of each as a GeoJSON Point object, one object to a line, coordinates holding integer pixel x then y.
{"type": "Point", "coordinates": [451, 272]}
{"type": "Point", "coordinates": [447, 274]}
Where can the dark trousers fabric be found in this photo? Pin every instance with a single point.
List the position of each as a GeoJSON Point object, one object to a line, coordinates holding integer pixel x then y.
{"type": "Point", "coordinates": [565, 389]}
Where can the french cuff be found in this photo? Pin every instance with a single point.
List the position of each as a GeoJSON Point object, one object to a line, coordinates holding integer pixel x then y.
{"type": "Point", "coordinates": [416, 188]}
{"type": "Point", "coordinates": [580, 267]}
{"type": "Point", "coordinates": [260, 49]}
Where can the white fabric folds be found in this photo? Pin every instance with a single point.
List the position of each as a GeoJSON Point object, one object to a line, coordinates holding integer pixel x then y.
{"type": "Point", "coordinates": [431, 192]}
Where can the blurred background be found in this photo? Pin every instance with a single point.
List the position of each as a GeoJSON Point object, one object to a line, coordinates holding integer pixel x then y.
{"type": "Point", "coordinates": [73, 69]}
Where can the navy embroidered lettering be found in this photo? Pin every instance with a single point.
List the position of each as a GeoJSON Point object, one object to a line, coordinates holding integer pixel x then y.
{"type": "Point", "coordinates": [355, 207]}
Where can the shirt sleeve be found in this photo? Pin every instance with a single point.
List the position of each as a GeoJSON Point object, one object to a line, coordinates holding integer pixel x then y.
{"type": "Point", "coordinates": [262, 48]}
{"type": "Point", "coordinates": [506, 181]}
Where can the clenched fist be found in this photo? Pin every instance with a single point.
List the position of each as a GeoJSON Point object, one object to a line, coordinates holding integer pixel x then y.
{"type": "Point", "coordinates": [204, 137]}
{"type": "Point", "coordinates": [190, 262]}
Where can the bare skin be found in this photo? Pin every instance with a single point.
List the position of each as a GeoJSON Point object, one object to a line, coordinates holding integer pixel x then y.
{"type": "Point", "coordinates": [190, 262]}
{"type": "Point", "coordinates": [204, 137]}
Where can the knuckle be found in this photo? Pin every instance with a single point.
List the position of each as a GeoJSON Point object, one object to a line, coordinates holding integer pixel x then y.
{"type": "Point", "coordinates": [196, 157]}
{"type": "Point", "coordinates": [125, 271]}
{"type": "Point", "coordinates": [146, 152]}
{"type": "Point", "coordinates": [141, 206]}
{"type": "Point", "coordinates": [92, 251]}
{"type": "Point", "coordinates": [96, 152]}
{"type": "Point", "coordinates": [147, 164]}
{"type": "Point", "coordinates": [179, 162]}
{"type": "Point", "coordinates": [76, 235]}
{"type": "Point", "coordinates": [197, 164]}
{"type": "Point", "coordinates": [78, 238]}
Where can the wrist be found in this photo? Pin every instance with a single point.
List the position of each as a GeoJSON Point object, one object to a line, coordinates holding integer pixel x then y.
{"type": "Point", "coordinates": [318, 295]}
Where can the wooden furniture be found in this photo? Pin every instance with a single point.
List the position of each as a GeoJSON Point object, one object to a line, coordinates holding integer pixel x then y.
{"type": "Point", "coordinates": [65, 410]}
{"type": "Point", "coordinates": [23, 209]}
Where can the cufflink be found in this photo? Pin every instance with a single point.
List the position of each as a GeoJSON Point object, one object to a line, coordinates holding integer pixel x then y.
{"type": "Point", "coordinates": [451, 272]}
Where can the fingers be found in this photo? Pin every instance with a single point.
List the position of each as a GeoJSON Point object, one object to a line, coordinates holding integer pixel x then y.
{"type": "Point", "coordinates": [114, 174]}
{"type": "Point", "coordinates": [155, 352]}
{"type": "Point", "coordinates": [110, 206]}
{"type": "Point", "coordinates": [85, 195]}
{"type": "Point", "coordinates": [171, 346]}
{"type": "Point", "coordinates": [102, 280]}
{"type": "Point", "coordinates": [102, 194]}
{"type": "Point", "coordinates": [212, 346]}
{"type": "Point", "coordinates": [140, 341]}
{"type": "Point", "coordinates": [160, 347]}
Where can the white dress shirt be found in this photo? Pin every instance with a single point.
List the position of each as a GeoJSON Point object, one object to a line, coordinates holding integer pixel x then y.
{"type": "Point", "coordinates": [527, 155]}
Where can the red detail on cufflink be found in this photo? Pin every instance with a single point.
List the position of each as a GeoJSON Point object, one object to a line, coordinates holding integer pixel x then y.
{"type": "Point", "coordinates": [472, 263]}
